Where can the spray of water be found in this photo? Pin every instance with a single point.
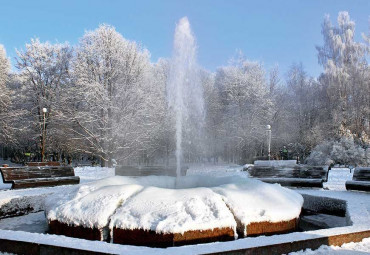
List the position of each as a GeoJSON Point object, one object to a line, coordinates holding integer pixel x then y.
{"type": "Point", "coordinates": [185, 94]}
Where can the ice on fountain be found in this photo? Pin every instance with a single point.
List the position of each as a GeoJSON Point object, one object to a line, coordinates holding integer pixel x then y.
{"type": "Point", "coordinates": [185, 94]}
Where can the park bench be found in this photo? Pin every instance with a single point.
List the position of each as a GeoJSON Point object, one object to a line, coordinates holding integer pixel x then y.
{"type": "Point", "coordinates": [49, 163]}
{"type": "Point", "coordinates": [38, 176]}
{"type": "Point", "coordinates": [360, 180]}
{"type": "Point", "coordinates": [291, 175]}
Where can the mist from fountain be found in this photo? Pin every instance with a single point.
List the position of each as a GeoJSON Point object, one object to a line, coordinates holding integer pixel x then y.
{"type": "Point", "coordinates": [184, 91]}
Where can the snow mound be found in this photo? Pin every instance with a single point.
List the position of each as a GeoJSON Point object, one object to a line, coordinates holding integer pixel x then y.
{"type": "Point", "coordinates": [174, 211]}
{"type": "Point", "coordinates": [91, 205]}
{"type": "Point", "coordinates": [254, 201]}
{"type": "Point", "coordinates": [95, 208]}
{"type": "Point", "coordinates": [168, 205]}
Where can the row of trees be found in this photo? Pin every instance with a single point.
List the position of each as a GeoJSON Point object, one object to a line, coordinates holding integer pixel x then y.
{"type": "Point", "coordinates": [106, 101]}
{"type": "Point", "coordinates": [99, 97]}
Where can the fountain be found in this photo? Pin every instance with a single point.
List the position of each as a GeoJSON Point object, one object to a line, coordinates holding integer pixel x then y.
{"type": "Point", "coordinates": [162, 211]}
{"type": "Point", "coordinates": [185, 94]}
{"type": "Point", "coordinates": [158, 211]}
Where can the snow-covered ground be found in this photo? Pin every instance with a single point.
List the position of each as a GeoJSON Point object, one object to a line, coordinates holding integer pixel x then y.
{"type": "Point", "coordinates": [337, 178]}
{"type": "Point", "coordinates": [89, 173]}
{"type": "Point", "coordinates": [360, 248]}
{"type": "Point", "coordinates": [358, 205]}
{"type": "Point", "coordinates": [33, 222]}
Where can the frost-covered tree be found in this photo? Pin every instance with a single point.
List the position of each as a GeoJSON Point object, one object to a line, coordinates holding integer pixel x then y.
{"type": "Point", "coordinates": [162, 124]}
{"type": "Point", "coordinates": [5, 97]}
{"type": "Point", "coordinates": [345, 76]}
{"type": "Point", "coordinates": [4, 70]}
{"type": "Point", "coordinates": [298, 111]}
{"type": "Point", "coordinates": [213, 118]}
{"type": "Point", "coordinates": [320, 155]}
{"type": "Point", "coordinates": [43, 70]}
{"type": "Point", "coordinates": [344, 151]}
{"type": "Point", "coordinates": [110, 78]}
{"type": "Point", "coordinates": [106, 99]}
{"type": "Point", "coordinates": [246, 106]}
{"type": "Point", "coordinates": [274, 78]}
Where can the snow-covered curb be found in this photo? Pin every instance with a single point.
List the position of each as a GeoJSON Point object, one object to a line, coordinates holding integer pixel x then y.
{"type": "Point", "coordinates": [362, 247]}
{"type": "Point", "coordinates": [108, 248]}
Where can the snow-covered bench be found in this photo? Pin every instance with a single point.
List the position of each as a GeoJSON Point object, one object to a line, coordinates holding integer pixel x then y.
{"type": "Point", "coordinates": [360, 180]}
{"type": "Point", "coordinates": [291, 175]}
{"type": "Point", "coordinates": [31, 177]}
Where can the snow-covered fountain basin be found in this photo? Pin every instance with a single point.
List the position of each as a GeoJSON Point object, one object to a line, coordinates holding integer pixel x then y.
{"type": "Point", "coordinates": [162, 211]}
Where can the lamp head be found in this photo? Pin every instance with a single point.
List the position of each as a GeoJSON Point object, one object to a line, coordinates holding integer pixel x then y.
{"type": "Point", "coordinates": [44, 110]}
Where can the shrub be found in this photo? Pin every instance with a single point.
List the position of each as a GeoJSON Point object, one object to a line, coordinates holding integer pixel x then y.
{"type": "Point", "coordinates": [344, 152]}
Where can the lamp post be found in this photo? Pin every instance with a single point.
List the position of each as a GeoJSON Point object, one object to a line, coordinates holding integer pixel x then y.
{"type": "Point", "coordinates": [268, 131]}
{"type": "Point", "coordinates": [44, 111]}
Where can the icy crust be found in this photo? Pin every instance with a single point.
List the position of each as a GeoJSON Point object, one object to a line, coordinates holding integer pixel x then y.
{"type": "Point", "coordinates": [174, 211]}
{"type": "Point", "coordinates": [166, 205]}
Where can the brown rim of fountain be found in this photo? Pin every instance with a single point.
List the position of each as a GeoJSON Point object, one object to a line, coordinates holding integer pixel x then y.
{"type": "Point", "coordinates": [270, 228]}
{"type": "Point", "coordinates": [59, 228]}
{"type": "Point", "coordinates": [150, 238]}
{"type": "Point", "coordinates": [142, 237]}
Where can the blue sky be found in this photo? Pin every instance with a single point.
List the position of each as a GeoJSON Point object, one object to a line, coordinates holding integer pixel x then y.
{"type": "Point", "coordinates": [273, 32]}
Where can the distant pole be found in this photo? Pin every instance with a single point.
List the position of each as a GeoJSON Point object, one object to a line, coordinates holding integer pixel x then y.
{"type": "Point", "coordinates": [44, 111]}
{"type": "Point", "coordinates": [268, 130]}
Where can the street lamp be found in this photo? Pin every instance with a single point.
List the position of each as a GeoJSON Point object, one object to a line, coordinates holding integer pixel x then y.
{"type": "Point", "coordinates": [268, 130]}
{"type": "Point", "coordinates": [44, 111]}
